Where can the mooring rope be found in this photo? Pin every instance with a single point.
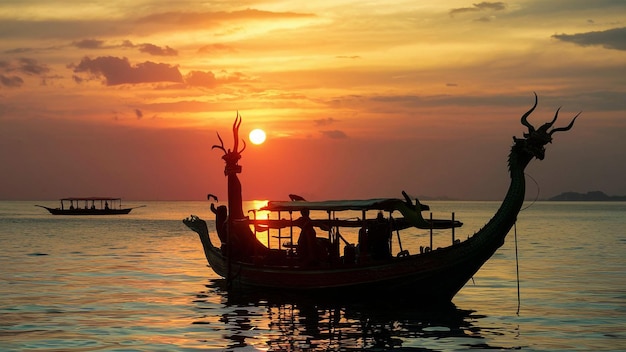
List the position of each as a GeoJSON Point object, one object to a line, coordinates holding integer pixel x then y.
{"type": "Point", "coordinates": [519, 301]}
{"type": "Point", "coordinates": [536, 195]}
{"type": "Point", "coordinates": [517, 270]}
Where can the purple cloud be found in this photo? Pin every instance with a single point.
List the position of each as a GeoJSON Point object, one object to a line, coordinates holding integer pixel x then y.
{"type": "Point", "coordinates": [117, 71]}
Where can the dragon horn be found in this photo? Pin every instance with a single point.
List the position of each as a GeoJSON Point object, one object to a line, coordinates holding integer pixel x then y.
{"type": "Point", "coordinates": [236, 125]}
{"type": "Point", "coordinates": [221, 142]}
{"type": "Point", "coordinates": [556, 115]}
{"type": "Point", "coordinates": [525, 116]}
{"type": "Point", "coordinates": [566, 128]}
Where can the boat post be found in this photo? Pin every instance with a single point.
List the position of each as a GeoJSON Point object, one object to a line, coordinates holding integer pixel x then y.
{"type": "Point", "coordinates": [363, 252]}
{"type": "Point", "coordinates": [229, 228]}
{"type": "Point", "coordinates": [391, 220]}
{"type": "Point", "coordinates": [280, 234]}
{"type": "Point", "coordinates": [290, 227]}
{"type": "Point", "coordinates": [431, 231]}
{"type": "Point", "coordinates": [452, 227]}
{"type": "Point", "coordinates": [330, 228]}
{"type": "Point", "coordinates": [268, 233]}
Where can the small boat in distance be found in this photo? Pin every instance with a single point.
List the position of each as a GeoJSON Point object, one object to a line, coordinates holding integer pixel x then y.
{"type": "Point", "coordinates": [89, 206]}
{"type": "Point", "coordinates": [369, 265]}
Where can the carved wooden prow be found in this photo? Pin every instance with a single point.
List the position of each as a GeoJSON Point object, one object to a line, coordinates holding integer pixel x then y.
{"type": "Point", "coordinates": [232, 168]}
{"type": "Point", "coordinates": [536, 138]}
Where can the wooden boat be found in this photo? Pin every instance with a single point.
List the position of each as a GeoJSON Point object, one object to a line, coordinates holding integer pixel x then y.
{"type": "Point", "coordinates": [89, 206]}
{"type": "Point", "coordinates": [435, 274]}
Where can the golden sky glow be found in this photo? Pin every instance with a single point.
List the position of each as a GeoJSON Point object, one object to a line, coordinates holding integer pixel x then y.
{"type": "Point", "coordinates": [358, 98]}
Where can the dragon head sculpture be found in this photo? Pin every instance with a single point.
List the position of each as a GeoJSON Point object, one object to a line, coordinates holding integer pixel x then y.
{"type": "Point", "coordinates": [535, 139]}
{"type": "Point", "coordinates": [231, 157]}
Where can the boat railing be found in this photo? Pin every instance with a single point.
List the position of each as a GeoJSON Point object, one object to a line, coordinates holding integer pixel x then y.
{"type": "Point", "coordinates": [279, 231]}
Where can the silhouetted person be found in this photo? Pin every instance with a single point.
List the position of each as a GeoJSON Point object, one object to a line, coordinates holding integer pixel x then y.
{"type": "Point", "coordinates": [307, 243]}
{"type": "Point", "coordinates": [379, 236]}
{"type": "Point", "coordinates": [221, 222]}
{"type": "Point", "coordinates": [363, 246]}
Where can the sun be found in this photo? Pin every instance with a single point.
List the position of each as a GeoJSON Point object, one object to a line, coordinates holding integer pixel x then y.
{"type": "Point", "coordinates": [257, 136]}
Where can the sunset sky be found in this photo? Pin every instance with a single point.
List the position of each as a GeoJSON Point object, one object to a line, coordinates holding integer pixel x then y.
{"type": "Point", "coordinates": [359, 99]}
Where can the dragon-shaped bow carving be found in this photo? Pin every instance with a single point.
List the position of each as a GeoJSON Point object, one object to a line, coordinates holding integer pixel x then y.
{"type": "Point", "coordinates": [231, 157]}
{"type": "Point", "coordinates": [536, 138]}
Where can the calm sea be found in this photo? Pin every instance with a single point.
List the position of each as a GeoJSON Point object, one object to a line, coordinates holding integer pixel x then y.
{"type": "Point", "coordinates": [140, 282]}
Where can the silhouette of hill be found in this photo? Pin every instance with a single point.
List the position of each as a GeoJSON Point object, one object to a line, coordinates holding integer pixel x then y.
{"type": "Point", "coordinates": [594, 196]}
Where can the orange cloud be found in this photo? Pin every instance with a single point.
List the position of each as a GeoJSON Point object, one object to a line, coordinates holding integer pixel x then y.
{"type": "Point", "coordinates": [207, 79]}
{"type": "Point", "coordinates": [212, 19]}
{"type": "Point", "coordinates": [201, 79]}
{"type": "Point", "coordinates": [212, 48]}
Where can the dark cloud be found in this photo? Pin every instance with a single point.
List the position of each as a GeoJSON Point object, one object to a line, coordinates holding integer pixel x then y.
{"type": "Point", "coordinates": [157, 50]}
{"type": "Point", "coordinates": [325, 122]}
{"type": "Point", "coordinates": [144, 48]}
{"type": "Point", "coordinates": [119, 71]}
{"type": "Point", "coordinates": [335, 134]}
{"type": "Point", "coordinates": [11, 81]}
{"type": "Point", "coordinates": [24, 66]}
{"type": "Point", "coordinates": [569, 8]}
{"type": "Point", "coordinates": [88, 44]}
{"type": "Point", "coordinates": [31, 67]}
{"type": "Point", "coordinates": [20, 50]}
{"type": "Point", "coordinates": [590, 100]}
{"type": "Point", "coordinates": [495, 6]}
{"type": "Point", "coordinates": [489, 6]}
{"type": "Point", "coordinates": [348, 57]}
{"type": "Point", "coordinates": [610, 39]}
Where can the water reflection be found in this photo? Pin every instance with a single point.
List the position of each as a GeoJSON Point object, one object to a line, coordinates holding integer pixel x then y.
{"type": "Point", "coordinates": [278, 321]}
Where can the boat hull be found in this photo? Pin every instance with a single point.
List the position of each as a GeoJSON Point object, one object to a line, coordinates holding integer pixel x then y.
{"type": "Point", "coordinates": [435, 276]}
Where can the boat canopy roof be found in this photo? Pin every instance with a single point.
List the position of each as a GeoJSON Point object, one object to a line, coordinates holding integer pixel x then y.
{"type": "Point", "coordinates": [334, 205]}
{"type": "Point", "coordinates": [90, 198]}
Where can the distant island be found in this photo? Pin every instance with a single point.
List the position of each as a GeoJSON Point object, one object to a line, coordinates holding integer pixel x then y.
{"type": "Point", "coordinates": [595, 196]}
